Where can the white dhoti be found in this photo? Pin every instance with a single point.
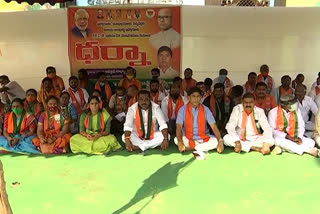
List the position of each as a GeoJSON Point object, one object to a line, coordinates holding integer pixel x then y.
{"type": "Point", "coordinates": [146, 144]}
{"type": "Point", "coordinates": [200, 145]}
{"type": "Point", "coordinates": [254, 141]}
{"type": "Point", "coordinates": [292, 147]}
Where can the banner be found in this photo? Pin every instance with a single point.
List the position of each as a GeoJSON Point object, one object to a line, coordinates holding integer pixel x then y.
{"type": "Point", "coordinates": [111, 39]}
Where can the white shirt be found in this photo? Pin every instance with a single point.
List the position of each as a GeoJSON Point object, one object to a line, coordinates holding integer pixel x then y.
{"type": "Point", "coordinates": [233, 127]}
{"type": "Point", "coordinates": [159, 122]}
{"type": "Point", "coordinates": [170, 73]}
{"type": "Point", "coordinates": [307, 105]}
{"type": "Point", "coordinates": [14, 91]}
{"type": "Point", "coordinates": [160, 98]}
{"type": "Point", "coordinates": [312, 92]}
{"type": "Point", "coordinates": [77, 96]}
{"type": "Point", "coordinates": [169, 38]}
{"type": "Point", "coordinates": [272, 118]}
{"type": "Point", "coordinates": [164, 107]}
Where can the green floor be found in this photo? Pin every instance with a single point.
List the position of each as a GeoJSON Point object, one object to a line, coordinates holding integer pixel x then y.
{"type": "Point", "coordinates": [163, 182]}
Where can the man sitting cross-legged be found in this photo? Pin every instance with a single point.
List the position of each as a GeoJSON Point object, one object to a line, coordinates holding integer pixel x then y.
{"type": "Point", "coordinates": [192, 131]}
{"type": "Point", "coordinates": [248, 128]}
{"type": "Point", "coordinates": [145, 126]}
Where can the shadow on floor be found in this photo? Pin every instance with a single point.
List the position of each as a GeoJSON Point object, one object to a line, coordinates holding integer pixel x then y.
{"type": "Point", "coordinates": [163, 179]}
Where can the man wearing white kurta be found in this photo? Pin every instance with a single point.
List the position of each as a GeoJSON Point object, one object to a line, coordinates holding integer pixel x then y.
{"type": "Point", "coordinates": [244, 128]}
{"type": "Point", "coordinates": [288, 128]}
{"type": "Point", "coordinates": [170, 106]}
{"type": "Point", "coordinates": [152, 132]}
{"type": "Point", "coordinates": [10, 90]}
{"type": "Point", "coordinates": [306, 105]}
{"type": "Point", "coordinates": [167, 36]}
{"type": "Point", "coordinates": [192, 131]}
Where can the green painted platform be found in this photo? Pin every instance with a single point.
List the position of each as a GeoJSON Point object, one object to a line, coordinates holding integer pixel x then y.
{"type": "Point", "coordinates": [163, 182]}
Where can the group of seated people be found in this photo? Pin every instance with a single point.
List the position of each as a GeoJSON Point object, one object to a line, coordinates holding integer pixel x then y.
{"type": "Point", "coordinates": [197, 116]}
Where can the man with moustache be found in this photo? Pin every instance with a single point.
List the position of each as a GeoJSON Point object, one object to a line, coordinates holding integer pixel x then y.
{"type": "Point", "coordinates": [170, 106]}
{"type": "Point", "coordinates": [248, 128]}
{"type": "Point", "coordinates": [145, 126]}
{"type": "Point", "coordinates": [288, 128]}
{"type": "Point", "coordinates": [78, 96]}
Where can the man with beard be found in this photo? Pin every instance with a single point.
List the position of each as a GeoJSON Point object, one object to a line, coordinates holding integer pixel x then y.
{"type": "Point", "coordinates": [78, 96]}
{"type": "Point", "coordinates": [306, 106]}
{"type": "Point", "coordinates": [81, 18]}
{"type": "Point", "coordinates": [188, 82]}
{"type": "Point", "coordinates": [262, 99]}
{"type": "Point", "coordinates": [192, 131]}
{"type": "Point", "coordinates": [288, 128]}
{"type": "Point", "coordinates": [170, 106]}
{"type": "Point", "coordinates": [219, 105]}
{"type": "Point", "coordinates": [283, 89]}
{"type": "Point", "coordinates": [85, 82]}
{"type": "Point", "coordinates": [156, 95]}
{"type": "Point", "coordinates": [248, 128]}
{"type": "Point", "coordinates": [145, 126]}
{"type": "Point", "coordinates": [155, 74]}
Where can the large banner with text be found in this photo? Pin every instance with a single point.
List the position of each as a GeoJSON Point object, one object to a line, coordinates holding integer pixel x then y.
{"type": "Point", "coordinates": [110, 39]}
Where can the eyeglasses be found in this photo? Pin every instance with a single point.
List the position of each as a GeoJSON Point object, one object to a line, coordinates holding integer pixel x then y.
{"type": "Point", "coordinates": [164, 17]}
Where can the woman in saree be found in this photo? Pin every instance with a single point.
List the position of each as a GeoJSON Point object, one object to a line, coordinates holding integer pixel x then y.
{"type": "Point", "coordinates": [19, 130]}
{"type": "Point", "coordinates": [31, 105]}
{"type": "Point", "coordinates": [94, 137]}
{"type": "Point", "coordinates": [53, 135]}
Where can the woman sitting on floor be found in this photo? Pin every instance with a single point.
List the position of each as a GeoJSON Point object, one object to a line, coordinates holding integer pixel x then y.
{"type": "Point", "coordinates": [53, 135]}
{"type": "Point", "coordinates": [19, 130]}
{"type": "Point", "coordinates": [94, 137]}
{"type": "Point", "coordinates": [31, 104]}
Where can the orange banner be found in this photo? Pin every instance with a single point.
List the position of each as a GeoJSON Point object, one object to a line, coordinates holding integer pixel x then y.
{"type": "Point", "coordinates": [111, 39]}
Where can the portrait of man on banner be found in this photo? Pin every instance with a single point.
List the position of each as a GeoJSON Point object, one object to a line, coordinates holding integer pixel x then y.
{"type": "Point", "coordinates": [165, 63]}
{"type": "Point", "coordinates": [81, 18]}
{"type": "Point", "coordinates": [167, 36]}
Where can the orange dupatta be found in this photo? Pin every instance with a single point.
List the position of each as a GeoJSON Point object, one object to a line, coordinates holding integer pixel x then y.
{"type": "Point", "coordinates": [179, 104]}
{"type": "Point", "coordinates": [244, 125]}
{"type": "Point", "coordinates": [12, 123]}
{"type": "Point", "coordinates": [201, 125]}
{"type": "Point", "coordinates": [282, 123]}
{"type": "Point", "coordinates": [106, 88]}
{"type": "Point", "coordinates": [75, 101]}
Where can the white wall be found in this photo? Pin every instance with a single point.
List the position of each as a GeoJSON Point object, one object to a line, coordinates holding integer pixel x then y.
{"type": "Point", "coordinates": [32, 40]}
{"type": "Point", "coordinates": [239, 39]}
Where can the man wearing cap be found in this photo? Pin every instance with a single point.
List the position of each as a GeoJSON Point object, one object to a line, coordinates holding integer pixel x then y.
{"type": "Point", "coordinates": [192, 132]}
{"type": "Point", "coordinates": [248, 128]}
{"type": "Point", "coordinates": [288, 128]}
